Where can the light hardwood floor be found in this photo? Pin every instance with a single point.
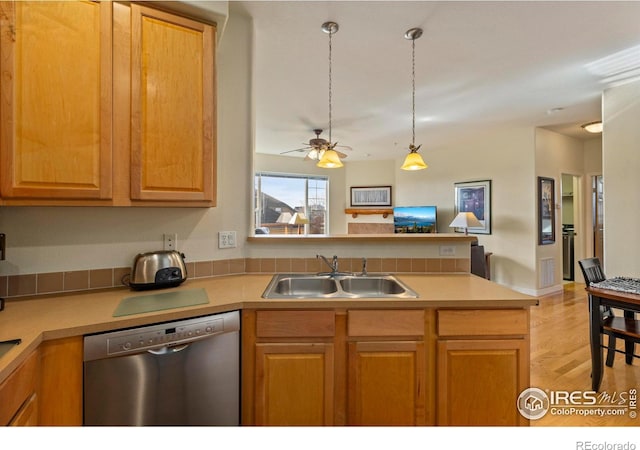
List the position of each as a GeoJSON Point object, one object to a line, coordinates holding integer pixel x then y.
{"type": "Point", "coordinates": [560, 357]}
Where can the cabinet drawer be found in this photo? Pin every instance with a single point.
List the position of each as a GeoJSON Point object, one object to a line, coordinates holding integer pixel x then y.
{"type": "Point", "coordinates": [386, 323]}
{"type": "Point", "coordinates": [17, 388]}
{"type": "Point", "coordinates": [295, 324]}
{"type": "Point", "coordinates": [489, 322]}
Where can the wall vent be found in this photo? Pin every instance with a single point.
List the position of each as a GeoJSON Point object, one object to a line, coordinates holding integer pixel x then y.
{"type": "Point", "coordinates": [546, 271]}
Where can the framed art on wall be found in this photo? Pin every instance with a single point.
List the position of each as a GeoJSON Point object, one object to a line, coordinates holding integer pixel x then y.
{"type": "Point", "coordinates": [546, 211]}
{"type": "Point", "coordinates": [475, 197]}
{"type": "Point", "coordinates": [371, 196]}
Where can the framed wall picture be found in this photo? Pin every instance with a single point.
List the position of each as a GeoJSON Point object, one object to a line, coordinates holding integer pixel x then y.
{"type": "Point", "coordinates": [546, 211]}
{"type": "Point", "coordinates": [475, 197]}
{"type": "Point", "coordinates": [371, 196]}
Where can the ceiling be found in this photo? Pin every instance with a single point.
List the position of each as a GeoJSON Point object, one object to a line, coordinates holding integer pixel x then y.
{"type": "Point", "coordinates": [479, 66]}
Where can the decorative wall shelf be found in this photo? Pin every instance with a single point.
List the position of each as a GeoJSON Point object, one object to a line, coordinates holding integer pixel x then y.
{"type": "Point", "coordinates": [355, 211]}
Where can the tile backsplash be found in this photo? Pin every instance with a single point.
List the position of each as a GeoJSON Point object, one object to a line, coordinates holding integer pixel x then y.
{"type": "Point", "coordinates": [27, 285]}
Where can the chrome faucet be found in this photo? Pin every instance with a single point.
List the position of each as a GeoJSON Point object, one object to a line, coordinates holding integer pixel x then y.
{"type": "Point", "coordinates": [364, 267]}
{"type": "Point", "coordinates": [333, 265]}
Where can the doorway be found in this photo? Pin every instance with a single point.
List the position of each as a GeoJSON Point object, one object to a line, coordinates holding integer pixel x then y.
{"type": "Point", "coordinates": [597, 202]}
{"type": "Point", "coordinates": [570, 213]}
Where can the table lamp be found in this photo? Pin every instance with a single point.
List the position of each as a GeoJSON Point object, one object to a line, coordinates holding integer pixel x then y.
{"type": "Point", "coordinates": [299, 219]}
{"type": "Point", "coordinates": [465, 220]}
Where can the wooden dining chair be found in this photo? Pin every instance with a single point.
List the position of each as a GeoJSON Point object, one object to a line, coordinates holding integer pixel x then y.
{"type": "Point", "coordinates": [625, 328]}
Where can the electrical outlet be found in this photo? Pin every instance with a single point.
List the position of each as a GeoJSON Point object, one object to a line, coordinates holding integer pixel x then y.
{"type": "Point", "coordinates": [170, 241]}
{"type": "Point", "coordinates": [226, 239]}
{"type": "Point", "coordinates": [447, 250]}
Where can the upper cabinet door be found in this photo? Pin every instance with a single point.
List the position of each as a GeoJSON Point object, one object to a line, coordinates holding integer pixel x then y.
{"type": "Point", "coordinates": [173, 107]}
{"type": "Point", "coordinates": [56, 100]}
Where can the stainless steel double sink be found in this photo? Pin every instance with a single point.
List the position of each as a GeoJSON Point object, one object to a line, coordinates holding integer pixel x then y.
{"type": "Point", "coordinates": [337, 286]}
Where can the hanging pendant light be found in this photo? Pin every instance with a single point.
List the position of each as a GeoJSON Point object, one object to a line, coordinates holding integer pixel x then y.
{"type": "Point", "coordinates": [330, 159]}
{"type": "Point", "coordinates": [413, 161]}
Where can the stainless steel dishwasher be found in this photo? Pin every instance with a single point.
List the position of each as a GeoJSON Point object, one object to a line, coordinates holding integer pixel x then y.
{"type": "Point", "coordinates": [176, 373]}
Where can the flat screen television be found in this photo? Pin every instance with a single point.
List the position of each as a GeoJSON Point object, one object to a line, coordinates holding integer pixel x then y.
{"type": "Point", "coordinates": [415, 219]}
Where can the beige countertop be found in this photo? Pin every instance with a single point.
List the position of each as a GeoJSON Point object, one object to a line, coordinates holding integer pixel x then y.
{"type": "Point", "coordinates": [58, 316]}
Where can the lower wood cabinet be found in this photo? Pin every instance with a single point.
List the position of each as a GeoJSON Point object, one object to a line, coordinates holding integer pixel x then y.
{"type": "Point", "coordinates": [480, 380]}
{"type": "Point", "coordinates": [27, 415]}
{"type": "Point", "coordinates": [386, 383]}
{"type": "Point", "coordinates": [295, 384]}
{"type": "Point", "coordinates": [60, 392]}
{"type": "Point", "coordinates": [18, 397]}
{"type": "Point", "coordinates": [46, 389]}
{"type": "Point", "coordinates": [482, 366]}
{"type": "Point", "coordinates": [384, 367]}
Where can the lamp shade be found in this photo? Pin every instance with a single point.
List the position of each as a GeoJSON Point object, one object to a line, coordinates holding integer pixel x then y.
{"type": "Point", "coordinates": [413, 161]}
{"type": "Point", "coordinates": [330, 160]}
{"type": "Point", "coordinates": [284, 217]}
{"type": "Point", "coordinates": [465, 220]}
{"type": "Point", "coordinates": [298, 219]}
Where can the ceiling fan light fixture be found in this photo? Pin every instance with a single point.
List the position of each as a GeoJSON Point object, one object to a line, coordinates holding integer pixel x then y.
{"type": "Point", "coordinates": [413, 160]}
{"type": "Point", "coordinates": [330, 160]}
{"type": "Point", "coordinates": [593, 127]}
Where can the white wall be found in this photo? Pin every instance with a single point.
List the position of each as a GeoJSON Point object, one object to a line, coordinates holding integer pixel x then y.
{"type": "Point", "coordinates": [51, 239]}
{"type": "Point", "coordinates": [557, 154]}
{"type": "Point", "coordinates": [506, 158]}
{"type": "Point", "coordinates": [621, 169]}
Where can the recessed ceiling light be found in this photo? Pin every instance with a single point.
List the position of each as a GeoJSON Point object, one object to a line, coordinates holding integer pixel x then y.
{"type": "Point", "coordinates": [593, 127]}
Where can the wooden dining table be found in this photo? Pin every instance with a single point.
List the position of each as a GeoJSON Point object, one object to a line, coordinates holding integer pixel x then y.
{"type": "Point", "coordinates": [629, 302]}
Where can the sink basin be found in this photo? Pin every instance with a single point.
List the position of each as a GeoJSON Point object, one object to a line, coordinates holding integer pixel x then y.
{"type": "Point", "coordinates": [367, 286]}
{"type": "Point", "coordinates": [337, 286]}
{"type": "Point", "coordinates": [292, 286]}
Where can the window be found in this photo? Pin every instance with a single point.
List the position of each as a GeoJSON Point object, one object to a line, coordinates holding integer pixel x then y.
{"type": "Point", "coordinates": [290, 204]}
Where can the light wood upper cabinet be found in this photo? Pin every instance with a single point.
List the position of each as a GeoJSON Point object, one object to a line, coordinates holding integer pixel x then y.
{"type": "Point", "coordinates": [56, 100]}
{"type": "Point", "coordinates": [172, 107]}
{"type": "Point", "coordinates": [106, 104]}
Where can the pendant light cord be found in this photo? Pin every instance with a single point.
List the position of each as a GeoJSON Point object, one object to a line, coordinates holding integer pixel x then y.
{"type": "Point", "coordinates": [330, 36]}
{"type": "Point", "coordinates": [413, 91]}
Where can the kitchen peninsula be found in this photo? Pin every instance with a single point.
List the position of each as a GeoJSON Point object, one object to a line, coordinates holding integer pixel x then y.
{"type": "Point", "coordinates": [457, 355]}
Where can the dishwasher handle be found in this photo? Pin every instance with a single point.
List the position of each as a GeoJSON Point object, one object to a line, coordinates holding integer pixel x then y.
{"type": "Point", "coordinates": [167, 350]}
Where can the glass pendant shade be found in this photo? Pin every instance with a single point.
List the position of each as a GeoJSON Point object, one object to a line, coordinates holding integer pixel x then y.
{"type": "Point", "coordinates": [330, 160]}
{"type": "Point", "coordinates": [413, 161]}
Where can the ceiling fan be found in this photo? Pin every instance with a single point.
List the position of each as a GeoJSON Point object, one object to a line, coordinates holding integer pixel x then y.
{"type": "Point", "coordinates": [317, 146]}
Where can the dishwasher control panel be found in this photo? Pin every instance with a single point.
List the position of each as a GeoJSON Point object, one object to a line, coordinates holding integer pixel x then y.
{"type": "Point", "coordinates": [158, 338]}
{"type": "Point", "coordinates": [160, 335]}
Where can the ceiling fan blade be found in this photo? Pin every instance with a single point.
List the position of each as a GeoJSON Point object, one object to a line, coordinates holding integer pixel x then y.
{"type": "Point", "coordinates": [340, 154]}
{"type": "Point", "coordinates": [296, 150]}
{"type": "Point", "coordinates": [344, 147]}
